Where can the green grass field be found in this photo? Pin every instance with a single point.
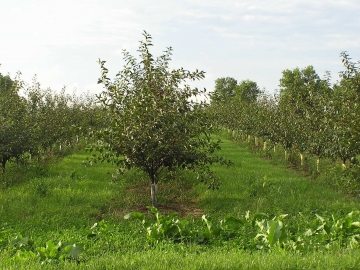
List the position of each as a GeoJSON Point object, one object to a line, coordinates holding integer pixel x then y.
{"type": "Point", "coordinates": [63, 201]}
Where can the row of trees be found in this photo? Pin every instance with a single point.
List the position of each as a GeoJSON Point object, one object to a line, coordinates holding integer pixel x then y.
{"type": "Point", "coordinates": [309, 115]}
{"type": "Point", "coordinates": [34, 120]}
{"type": "Point", "coordinates": [148, 119]}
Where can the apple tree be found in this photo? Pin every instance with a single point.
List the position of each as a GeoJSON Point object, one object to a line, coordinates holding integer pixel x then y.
{"type": "Point", "coordinates": [154, 121]}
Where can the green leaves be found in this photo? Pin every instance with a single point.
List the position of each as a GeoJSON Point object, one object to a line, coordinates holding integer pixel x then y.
{"type": "Point", "coordinates": [153, 122]}
{"type": "Point", "coordinates": [255, 231]}
{"type": "Point", "coordinates": [224, 89]}
{"type": "Point", "coordinates": [15, 128]}
{"type": "Point", "coordinates": [40, 120]}
{"type": "Point", "coordinates": [135, 215]}
{"type": "Point", "coordinates": [164, 227]}
{"type": "Point", "coordinates": [59, 251]}
{"type": "Point", "coordinates": [24, 248]}
{"type": "Point", "coordinates": [248, 91]}
{"type": "Point", "coordinates": [310, 117]}
{"type": "Point", "coordinates": [272, 232]}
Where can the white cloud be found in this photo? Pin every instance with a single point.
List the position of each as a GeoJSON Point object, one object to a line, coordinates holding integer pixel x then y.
{"type": "Point", "coordinates": [61, 40]}
{"type": "Point", "coordinates": [342, 42]}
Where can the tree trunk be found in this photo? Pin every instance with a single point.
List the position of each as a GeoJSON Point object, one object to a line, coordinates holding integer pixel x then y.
{"type": "Point", "coordinates": [318, 165]}
{"type": "Point", "coordinates": [153, 194]}
{"type": "Point", "coordinates": [3, 163]}
{"type": "Point", "coordinates": [343, 165]}
{"type": "Point", "coordinates": [353, 160]}
{"type": "Point", "coordinates": [301, 159]}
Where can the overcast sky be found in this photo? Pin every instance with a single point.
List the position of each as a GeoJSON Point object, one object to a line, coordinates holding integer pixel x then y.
{"type": "Point", "coordinates": [61, 41]}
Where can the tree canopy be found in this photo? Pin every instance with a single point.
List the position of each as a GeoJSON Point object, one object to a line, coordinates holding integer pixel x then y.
{"type": "Point", "coordinates": [15, 135]}
{"type": "Point", "coordinates": [228, 88]}
{"type": "Point", "coordinates": [248, 90]}
{"type": "Point", "coordinates": [224, 89]}
{"type": "Point", "coordinates": [154, 122]}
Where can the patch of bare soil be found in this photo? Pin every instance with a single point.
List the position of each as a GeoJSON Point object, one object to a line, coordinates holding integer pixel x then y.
{"type": "Point", "coordinates": [183, 208]}
{"type": "Point", "coordinates": [171, 197]}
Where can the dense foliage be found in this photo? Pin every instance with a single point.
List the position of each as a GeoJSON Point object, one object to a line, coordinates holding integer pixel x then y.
{"type": "Point", "coordinates": [228, 88]}
{"type": "Point", "coordinates": [34, 120]}
{"type": "Point", "coordinates": [154, 121]}
{"type": "Point", "coordinates": [249, 232]}
{"type": "Point", "coordinates": [256, 231]}
{"type": "Point", "coordinates": [309, 117]}
{"type": "Point", "coordinates": [15, 129]}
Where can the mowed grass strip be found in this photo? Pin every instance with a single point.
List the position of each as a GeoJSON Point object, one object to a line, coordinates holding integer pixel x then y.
{"type": "Point", "coordinates": [254, 184]}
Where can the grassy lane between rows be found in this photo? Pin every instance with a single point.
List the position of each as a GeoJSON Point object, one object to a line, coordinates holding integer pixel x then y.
{"type": "Point", "coordinates": [254, 184]}
{"type": "Point", "coordinates": [63, 201]}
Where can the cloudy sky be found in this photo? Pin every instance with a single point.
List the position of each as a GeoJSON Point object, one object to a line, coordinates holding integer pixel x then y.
{"type": "Point", "coordinates": [61, 41]}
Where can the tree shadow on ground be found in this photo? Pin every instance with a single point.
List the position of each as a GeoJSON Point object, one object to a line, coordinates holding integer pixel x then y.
{"type": "Point", "coordinates": [172, 197]}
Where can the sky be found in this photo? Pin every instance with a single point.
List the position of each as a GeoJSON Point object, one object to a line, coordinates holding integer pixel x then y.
{"type": "Point", "coordinates": [61, 41]}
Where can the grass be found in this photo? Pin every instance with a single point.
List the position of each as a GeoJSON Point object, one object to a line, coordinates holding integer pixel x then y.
{"type": "Point", "coordinates": [255, 184]}
{"type": "Point", "coordinates": [63, 200]}
{"type": "Point", "coordinates": [66, 196]}
{"type": "Point", "coordinates": [172, 258]}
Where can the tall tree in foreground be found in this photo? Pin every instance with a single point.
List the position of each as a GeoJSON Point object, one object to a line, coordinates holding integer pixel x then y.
{"type": "Point", "coordinates": [154, 122]}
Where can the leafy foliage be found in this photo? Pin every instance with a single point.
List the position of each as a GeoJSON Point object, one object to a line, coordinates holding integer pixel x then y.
{"type": "Point", "coordinates": [154, 122]}
{"type": "Point", "coordinates": [248, 91]}
{"type": "Point", "coordinates": [15, 129]}
{"type": "Point", "coordinates": [309, 118]}
{"type": "Point", "coordinates": [36, 121]}
{"type": "Point", "coordinates": [23, 248]}
{"type": "Point", "coordinates": [255, 231]}
{"type": "Point", "coordinates": [58, 118]}
{"type": "Point", "coordinates": [224, 89]}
